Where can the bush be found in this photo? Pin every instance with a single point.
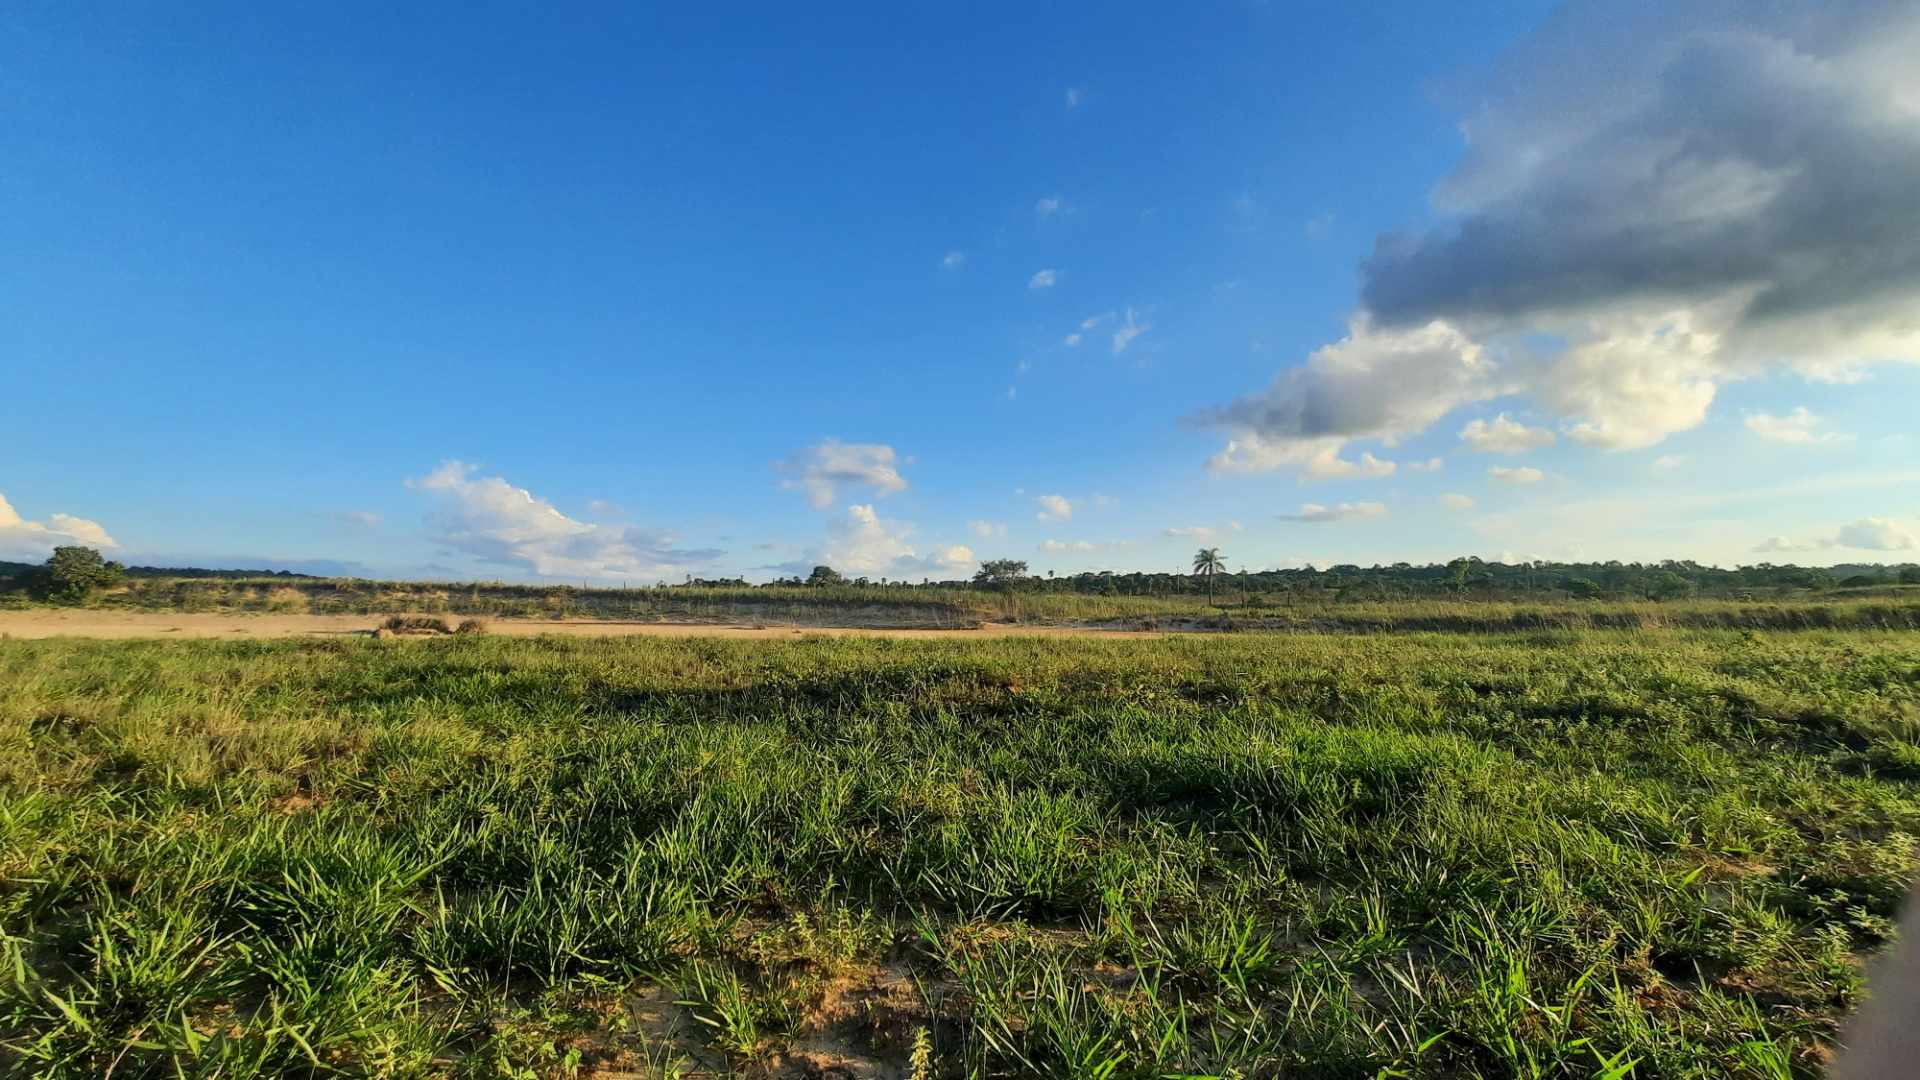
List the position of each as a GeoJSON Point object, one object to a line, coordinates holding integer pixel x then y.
{"type": "Point", "coordinates": [416, 624]}
{"type": "Point", "coordinates": [471, 626]}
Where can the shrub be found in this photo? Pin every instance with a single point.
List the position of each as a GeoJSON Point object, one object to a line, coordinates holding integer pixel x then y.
{"type": "Point", "coordinates": [416, 624]}
{"type": "Point", "coordinates": [471, 626]}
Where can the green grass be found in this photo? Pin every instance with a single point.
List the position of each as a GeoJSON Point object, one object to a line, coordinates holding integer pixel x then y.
{"type": "Point", "coordinates": [1313, 610]}
{"type": "Point", "coordinates": [1601, 853]}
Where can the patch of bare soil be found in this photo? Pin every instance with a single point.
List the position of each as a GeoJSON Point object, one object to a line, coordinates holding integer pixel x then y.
{"type": "Point", "coordinates": [90, 623]}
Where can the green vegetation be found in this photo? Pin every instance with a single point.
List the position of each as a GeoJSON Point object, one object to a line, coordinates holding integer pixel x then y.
{"type": "Point", "coordinates": [70, 575]}
{"type": "Point", "coordinates": [1605, 853]}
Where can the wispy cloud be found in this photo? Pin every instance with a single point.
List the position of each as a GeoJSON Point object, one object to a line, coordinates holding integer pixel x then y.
{"type": "Point", "coordinates": [987, 530]}
{"type": "Point", "coordinates": [359, 519]}
{"type": "Point", "coordinates": [1076, 97]}
{"type": "Point", "coordinates": [1523, 474]}
{"type": "Point", "coordinates": [1455, 501]}
{"type": "Point", "coordinates": [953, 260]}
{"type": "Point", "coordinates": [1044, 279]}
{"type": "Point", "coordinates": [1316, 514]}
{"type": "Point", "coordinates": [1866, 534]}
{"type": "Point", "coordinates": [1049, 206]}
{"type": "Point", "coordinates": [1127, 331]}
{"type": "Point", "coordinates": [1798, 427]}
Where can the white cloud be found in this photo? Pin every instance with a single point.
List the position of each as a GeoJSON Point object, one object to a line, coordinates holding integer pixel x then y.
{"type": "Point", "coordinates": [1124, 335]}
{"type": "Point", "coordinates": [863, 544]}
{"type": "Point", "coordinates": [1076, 96]}
{"type": "Point", "coordinates": [510, 526]}
{"type": "Point", "coordinates": [820, 470]}
{"type": "Point", "coordinates": [1071, 341]}
{"type": "Point", "coordinates": [1093, 321]}
{"type": "Point", "coordinates": [1315, 514]}
{"type": "Point", "coordinates": [1201, 533]}
{"type": "Point", "coordinates": [24, 540]}
{"type": "Point", "coordinates": [1369, 385]}
{"type": "Point", "coordinates": [1866, 534]}
{"type": "Point", "coordinates": [1054, 508]}
{"type": "Point", "coordinates": [1670, 462]}
{"type": "Point", "coordinates": [1043, 279]}
{"type": "Point", "coordinates": [1798, 427]}
{"type": "Point", "coordinates": [1316, 459]}
{"type": "Point", "coordinates": [1429, 465]}
{"type": "Point", "coordinates": [1049, 206]}
{"type": "Point", "coordinates": [359, 519]}
{"type": "Point", "coordinates": [1504, 435]}
{"type": "Point", "coordinates": [1523, 474]}
{"type": "Point", "coordinates": [1057, 546]}
{"type": "Point", "coordinates": [1653, 201]}
{"type": "Point", "coordinates": [953, 260]}
{"type": "Point", "coordinates": [1457, 502]}
{"type": "Point", "coordinates": [987, 530]}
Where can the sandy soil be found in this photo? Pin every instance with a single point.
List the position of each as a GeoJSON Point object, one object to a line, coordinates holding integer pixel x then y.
{"type": "Point", "coordinates": [44, 623]}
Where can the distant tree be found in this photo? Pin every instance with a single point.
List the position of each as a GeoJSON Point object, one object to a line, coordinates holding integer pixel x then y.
{"type": "Point", "coordinates": [1207, 562]}
{"type": "Point", "coordinates": [1000, 572]}
{"type": "Point", "coordinates": [1666, 585]}
{"type": "Point", "coordinates": [826, 575]}
{"type": "Point", "coordinates": [72, 573]}
{"type": "Point", "coordinates": [1910, 576]}
{"type": "Point", "coordinates": [1581, 588]}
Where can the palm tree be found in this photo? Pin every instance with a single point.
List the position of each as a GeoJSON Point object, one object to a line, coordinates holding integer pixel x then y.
{"type": "Point", "coordinates": [1207, 562]}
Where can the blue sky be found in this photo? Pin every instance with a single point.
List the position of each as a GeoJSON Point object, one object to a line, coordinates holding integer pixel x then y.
{"type": "Point", "coordinates": [624, 296]}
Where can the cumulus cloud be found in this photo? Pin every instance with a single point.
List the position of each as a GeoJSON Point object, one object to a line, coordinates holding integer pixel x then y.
{"type": "Point", "coordinates": [1654, 201]}
{"type": "Point", "coordinates": [1866, 534]}
{"type": "Point", "coordinates": [865, 544]}
{"type": "Point", "coordinates": [1127, 331]}
{"type": "Point", "coordinates": [1371, 384]}
{"type": "Point", "coordinates": [822, 469]}
{"type": "Point", "coordinates": [1504, 435]}
{"type": "Point", "coordinates": [1457, 502]}
{"type": "Point", "coordinates": [1523, 474]}
{"type": "Point", "coordinates": [26, 540]}
{"type": "Point", "coordinates": [1799, 427]}
{"type": "Point", "coordinates": [1054, 508]}
{"type": "Point", "coordinates": [1044, 279]}
{"type": "Point", "coordinates": [487, 517]}
{"type": "Point", "coordinates": [987, 530]}
{"type": "Point", "coordinates": [953, 260]}
{"type": "Point", "coordinates": [1316, 514]}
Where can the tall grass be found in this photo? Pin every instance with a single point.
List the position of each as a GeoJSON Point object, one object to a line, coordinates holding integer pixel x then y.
{"type": "Point", "coordinates": [1656, 853]}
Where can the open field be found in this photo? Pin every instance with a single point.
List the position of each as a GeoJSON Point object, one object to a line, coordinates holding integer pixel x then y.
{"type": "Point", "coordinates": [1326, 610]}
{"type": "Point", "coordinates": [1601, 853]}
{"type": "Point", "coordinates": [52, 622]}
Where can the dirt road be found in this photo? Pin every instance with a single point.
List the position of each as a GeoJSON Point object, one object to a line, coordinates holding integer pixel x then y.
{"type": "Point", "coordinates": [44, 623]}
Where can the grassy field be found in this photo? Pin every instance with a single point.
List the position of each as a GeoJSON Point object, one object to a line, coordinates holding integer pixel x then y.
{"type": "Point", "coordinates": [1882, 607]}
{"type": "Point", "coordinates": [1598, 853]}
